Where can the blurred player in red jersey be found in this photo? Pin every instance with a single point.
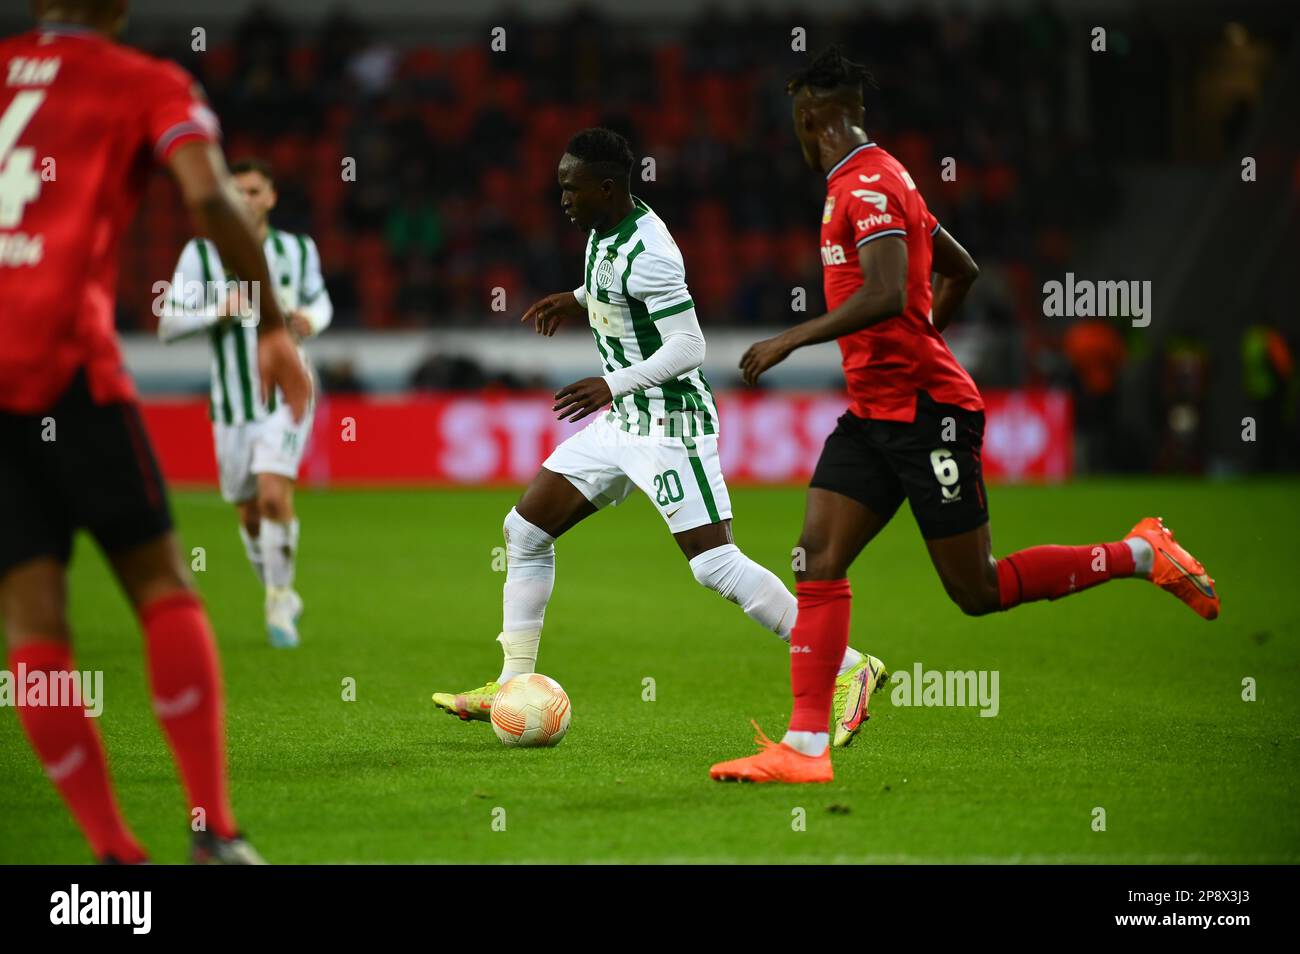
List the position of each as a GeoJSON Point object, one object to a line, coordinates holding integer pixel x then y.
{"type": "Point", "coordinates": [73, 452]}
{"type": "Point", "coordinates": [915, 427]}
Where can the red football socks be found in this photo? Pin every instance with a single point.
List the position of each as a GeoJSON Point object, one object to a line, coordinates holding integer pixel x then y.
{"type": "Point", "coordinates": [817, 644]}
{"type": "Point", "coordinates": [187, 699]}
{"type": "Point", "coordinates": [1050, 572]}
{"type": "Point", "coordinates": [68, 745]}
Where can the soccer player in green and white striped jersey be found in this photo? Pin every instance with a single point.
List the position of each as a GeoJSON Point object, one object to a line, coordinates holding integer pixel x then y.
{"type": "Point", "coordinates": [259, 446]}
{"type": "Point", "coordinates": [660, 433]}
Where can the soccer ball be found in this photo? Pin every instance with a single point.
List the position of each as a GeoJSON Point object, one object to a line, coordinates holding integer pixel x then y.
{"type": "Point", "coordinates": [531, 711]}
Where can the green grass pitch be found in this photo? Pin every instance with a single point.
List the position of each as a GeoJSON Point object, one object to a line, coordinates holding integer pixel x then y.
{"type": "Point", "coordinates": [1119, 698]}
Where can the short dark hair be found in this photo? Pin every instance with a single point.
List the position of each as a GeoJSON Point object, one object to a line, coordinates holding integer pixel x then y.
{"type": "Point", "coordinates": [831, 71]}
{"type": "Point", "coordinates": [606, 151]}
{"type": "Point", "coordinates": [252, 164]}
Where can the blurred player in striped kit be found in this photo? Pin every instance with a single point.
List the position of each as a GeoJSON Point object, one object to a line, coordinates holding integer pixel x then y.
{"type": "Point", "coordinates": [258, 444]}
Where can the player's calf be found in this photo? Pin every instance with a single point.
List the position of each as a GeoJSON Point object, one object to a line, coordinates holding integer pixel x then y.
{"type": "Point", "coordinates": [250, 528]}
{"type": "Point", "coordinates": [64, 739]}
{"type": "Point", "coordinates": [185, 679]}
{"type": "Point", "coordinates": [530, 580]}
{"type": "Point", "coordinates": [754, 588]}
{"type": "Point", "coordinates": [69, 747]}
{"type": "Point", "coordinates": [278, 537]}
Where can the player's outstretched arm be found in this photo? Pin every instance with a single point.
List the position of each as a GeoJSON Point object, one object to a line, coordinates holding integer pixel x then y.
{"type": "Point", "coordinates": [209, 193]}
{"type": "Point", "coordinates": [554, 310]}
{"type": "Point", "coordinates": [883, 295]}
{"type": "Point", "coordinates": [956, 271]}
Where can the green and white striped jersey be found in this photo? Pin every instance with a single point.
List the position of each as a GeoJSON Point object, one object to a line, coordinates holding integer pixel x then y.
{"type": "Point", "coordinates": [634, 277]}
{"type": "Point", "coordinates": [294, 264]}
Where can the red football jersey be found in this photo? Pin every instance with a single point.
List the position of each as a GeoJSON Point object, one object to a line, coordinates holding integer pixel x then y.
{"type": "Point", "coordinates": [82, 119]}
{"type": "Point", "coordinates": [869, 195]}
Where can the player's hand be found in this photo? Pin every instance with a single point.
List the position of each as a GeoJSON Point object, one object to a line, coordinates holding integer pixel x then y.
{"type": "Point", "coordinates": [552, 311]}
{"type": "Point", "coordinates": [575, 401]}
{"type": "Point", "coordinates": [300, 324]}
{"type": "Point", "coordinates": [280, 366]}
{"type": "Point", "coordinates": [763, 355]}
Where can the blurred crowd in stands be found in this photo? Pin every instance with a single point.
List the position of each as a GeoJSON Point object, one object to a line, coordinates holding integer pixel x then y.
{"type": "Point", "coordinates": [455, 149]}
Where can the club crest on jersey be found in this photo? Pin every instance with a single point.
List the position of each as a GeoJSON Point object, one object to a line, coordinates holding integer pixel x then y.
{"type": "Point", "coordinates": [828, 209]}
{"type": "Point", "coordinates": [605, 274]}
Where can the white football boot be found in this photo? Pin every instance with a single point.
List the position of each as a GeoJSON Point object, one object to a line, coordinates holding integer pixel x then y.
{"type": "Point", "coordinates": [283, 607]}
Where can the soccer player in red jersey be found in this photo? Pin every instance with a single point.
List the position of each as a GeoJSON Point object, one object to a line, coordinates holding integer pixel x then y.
{"type": "Point", "coordinates": [82, 120]}
{"type": "Point", "coordinates": [915, 427]}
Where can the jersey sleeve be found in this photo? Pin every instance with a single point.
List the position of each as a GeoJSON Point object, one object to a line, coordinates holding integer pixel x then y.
{"type": "Point", "coordinates": [313, 294]}
{"type": "Point", "coordinates": [658, 278]}
{"type": "Point", "coordinates": [176, 111]}
{"type": "Point", "coordinates": [874, 206]}
{"type": "Point", "coordinates": [190, 304]}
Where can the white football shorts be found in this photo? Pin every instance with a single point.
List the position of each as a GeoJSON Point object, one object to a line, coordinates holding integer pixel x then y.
{"type": "Point", "coordinates": [681, 476]}
{"type": "Point", "coordinates": [273, 445]}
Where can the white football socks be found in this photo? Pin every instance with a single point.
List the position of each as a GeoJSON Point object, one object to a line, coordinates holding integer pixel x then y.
{"type": "Point", "coordinates": [809, 743]}
{"type": "Point", "coordinates": [520, 651]}
{"type": "Point", "coordinates": [530, 578]}
{"type": "Point", "coordinates": [253, 550]}
{"type": "Point", "coordinates": [851, 658]}
{"type": "Point", "coordinates": [1144, 557]}
{"type": "Point", "coordinates": [756, 590]}
{"type": "Point", "coordinates": [279, 548]}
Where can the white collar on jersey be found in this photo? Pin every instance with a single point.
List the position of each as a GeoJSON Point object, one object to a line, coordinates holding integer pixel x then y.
{"type": "Point", "coordinates": [852, 153]}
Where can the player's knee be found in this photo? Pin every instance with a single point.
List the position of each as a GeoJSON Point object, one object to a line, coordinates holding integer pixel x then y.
{"type": "Point", "coordinates": [719, 569]}
{"type": "Point", "coordinates": [154, 574]}
{"type": "Point", "coordinates": [273, 501]}
{"type": "Point", "coordinates": [525, 538]}
{"type": "Point", "coordinates": [171, 576]}
{"type": "Point", "coordinates": [33, 620]}
{"type": "Point", "coordinates": [811, 561]}
{"type": "Point", "coordinates": [160, 587]}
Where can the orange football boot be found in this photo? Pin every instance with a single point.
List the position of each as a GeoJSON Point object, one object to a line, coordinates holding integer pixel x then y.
{"type": "Point", "coordinates": [777, 762]}
{"type": "Point", "coordinates": [1177, 571]}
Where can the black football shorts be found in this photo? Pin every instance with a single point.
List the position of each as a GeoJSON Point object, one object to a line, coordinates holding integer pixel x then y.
{"type": "Point", "coordinates": [77, 465]}
{"type": "Point", "coordinates": [933, 462]}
